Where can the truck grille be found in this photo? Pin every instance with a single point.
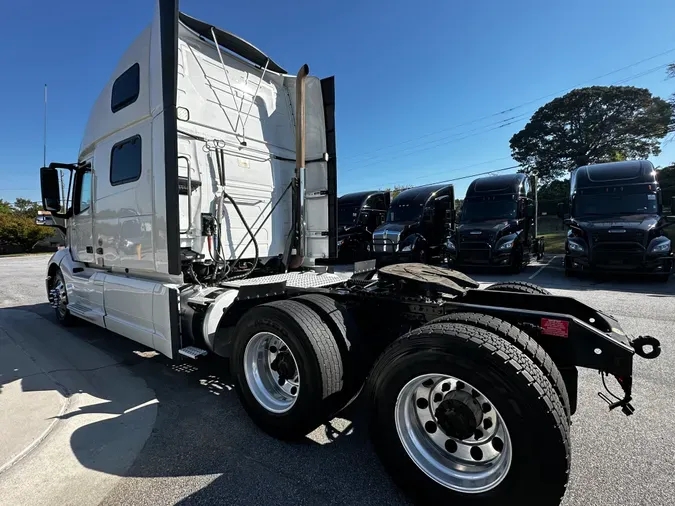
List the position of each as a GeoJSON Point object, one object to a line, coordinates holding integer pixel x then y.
{"type": "Point", "coordinates": [474, 253]}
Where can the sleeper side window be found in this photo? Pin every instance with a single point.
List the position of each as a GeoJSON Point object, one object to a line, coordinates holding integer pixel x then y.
{"type": "Point", "coordinates": [126, 88]}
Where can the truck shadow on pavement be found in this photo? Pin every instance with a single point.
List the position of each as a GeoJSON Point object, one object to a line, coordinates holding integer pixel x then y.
{"type": "Point", "coordinates": [204, 441]}
{"type": "Point", "coordinates": [553, 276]}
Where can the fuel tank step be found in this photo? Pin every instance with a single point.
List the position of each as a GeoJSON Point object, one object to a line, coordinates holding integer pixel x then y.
{"type": "Point", "coordinates": [192, 352]}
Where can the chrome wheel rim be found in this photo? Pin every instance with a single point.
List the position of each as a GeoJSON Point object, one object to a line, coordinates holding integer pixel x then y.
{"type": "Point", "coordinates": [434, 414]}
{"type": "Point", "coordinates": [62, 298]}
{"type": "Point", "coordinates": [271, 372]}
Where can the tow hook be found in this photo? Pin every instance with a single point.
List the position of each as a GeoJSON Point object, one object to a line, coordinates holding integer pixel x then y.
{"type": "Point", "coordinates": [646, 346]}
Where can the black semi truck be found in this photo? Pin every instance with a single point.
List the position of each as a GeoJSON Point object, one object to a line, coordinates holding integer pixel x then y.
{"type": "Point", "coordinates": [496, 224]}
{"type": "Point", "coordinates": [359, 214]}
{"type": "Point", "coordinates": [416, 226]}
{"type": "Point", "coordinates": [616, 220]}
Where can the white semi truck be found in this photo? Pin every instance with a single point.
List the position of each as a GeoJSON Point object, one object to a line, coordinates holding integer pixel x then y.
{"type": "Point", "coordinates": [199, 211]}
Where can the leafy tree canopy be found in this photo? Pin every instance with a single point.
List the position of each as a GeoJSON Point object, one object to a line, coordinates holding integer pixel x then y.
{"type": "Point", "coordinates": [396, 190]}
{"type": "Point", "coordinates": [592, 125]}
{"type": "Point", "coordinates": [27, 208]}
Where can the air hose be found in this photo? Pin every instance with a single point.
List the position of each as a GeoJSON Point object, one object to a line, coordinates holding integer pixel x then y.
{"type": "Point", "coordinates": [250, 232]}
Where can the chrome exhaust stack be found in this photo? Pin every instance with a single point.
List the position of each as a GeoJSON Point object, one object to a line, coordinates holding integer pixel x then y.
{"type": "Point", "coordinates": [297, 240]}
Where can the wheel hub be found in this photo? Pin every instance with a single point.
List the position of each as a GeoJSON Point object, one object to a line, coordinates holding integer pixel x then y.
{"type": "Point", "coordinates": [459, 414]}
{"type": "Point", "coordinates": [453, 433]}
{"type": "Point", "coordinates": [271, 372]}
{"type": "Point", "coordinates": [284, 365]}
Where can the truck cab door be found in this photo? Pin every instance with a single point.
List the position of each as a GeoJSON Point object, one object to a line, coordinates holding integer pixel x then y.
{"type": "Point", "coordinates": [81, 224]}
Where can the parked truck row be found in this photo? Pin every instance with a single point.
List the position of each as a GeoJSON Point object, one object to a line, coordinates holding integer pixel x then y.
{"type": "Point", "coordinates": [616, 223]}
{"type": "Point", "coordinates": [198, 211]}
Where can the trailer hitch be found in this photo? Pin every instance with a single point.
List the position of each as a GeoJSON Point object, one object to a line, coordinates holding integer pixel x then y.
{"type": "Point", "coordinates": [642, 345]}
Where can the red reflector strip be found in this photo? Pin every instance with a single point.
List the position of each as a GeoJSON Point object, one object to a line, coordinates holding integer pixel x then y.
{"type": "Point", "coordinates": [558, 328]}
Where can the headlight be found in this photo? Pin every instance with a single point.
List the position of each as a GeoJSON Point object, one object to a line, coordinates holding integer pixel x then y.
{"type": "Point", "coordinates": [407, 247]}
{"type": "Point", "coordinates": [574, 246]}
{"type": "Point", "coordinates": [507, 245]}
{"type": "Point", "coordinates": [662, 247]}
{"type": "Point", "coordinates": [450, 245]}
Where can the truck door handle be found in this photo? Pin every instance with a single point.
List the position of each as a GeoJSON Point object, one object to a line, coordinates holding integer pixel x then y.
{"type": "Point", "coordinates": [99, 251]}
{"type": "Point", "coordinates": [90, 249]}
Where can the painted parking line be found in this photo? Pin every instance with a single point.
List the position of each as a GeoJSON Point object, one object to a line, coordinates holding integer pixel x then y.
{"type": "Point", "coordinates": [542, 268]}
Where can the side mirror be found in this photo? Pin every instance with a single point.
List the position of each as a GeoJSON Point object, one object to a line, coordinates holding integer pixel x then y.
{"type": "Point", "coordinates": [363, 218]}
{"type": "Point", "coordinates": [51, 193]}
{"type": "Point", "coordinates": [561, 210]}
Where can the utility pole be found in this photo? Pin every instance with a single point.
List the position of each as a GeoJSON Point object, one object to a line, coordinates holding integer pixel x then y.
{"type": "Point", "coordinates": [536, 204]}
{"type": "Point", "coordinates": [44, 132]}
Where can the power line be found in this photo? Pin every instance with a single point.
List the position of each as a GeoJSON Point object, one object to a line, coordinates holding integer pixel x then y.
{"type": "Point", "coordinates": [503, 169]}
{"type": "Point", "coordinates": [480, 131]}
{"type": "Point", "coordinates": [437, 143]}
{"type": "Point", "coordinates": [511, 109]}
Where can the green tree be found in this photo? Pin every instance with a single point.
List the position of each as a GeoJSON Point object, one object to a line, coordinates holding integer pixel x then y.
{"type": "Point", "coordinates": [25, 207]}
{"type": "Point", "coordinates": [592, 125]}
{"type": "Point", "coordinates": [555, 191]}
{"type": "Point", "coordinates": [671, 73]}
{"type": "Point", "coordinates": [5, 207]}
{"type": "Point", "coordinates": [666, 179]}
{"type": "Point", "coordinates": [396, 190]}
{"type": "Point", "coordinates": [17, 230]}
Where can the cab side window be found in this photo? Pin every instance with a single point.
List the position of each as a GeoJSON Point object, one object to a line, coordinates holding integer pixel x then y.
{"type": "Point", "coordinates": [528, 188]}
{"type": "Point", "coordinates": [376, 202]}
{"type": "Point", "coordinates": [125, 161]}
{"type": "Point", "coordinates": [84, 192]}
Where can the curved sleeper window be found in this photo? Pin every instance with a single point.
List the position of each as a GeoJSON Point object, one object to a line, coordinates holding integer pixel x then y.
{"type": "Point", "coordinates": [125, 88]}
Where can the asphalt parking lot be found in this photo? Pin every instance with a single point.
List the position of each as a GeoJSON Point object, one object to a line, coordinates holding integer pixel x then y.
{"type": "Point", "coordinates": [133, 428]}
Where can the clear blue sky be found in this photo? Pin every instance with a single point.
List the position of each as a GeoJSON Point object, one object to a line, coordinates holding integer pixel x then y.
{"type": "Point", "coordinates": [406, 73]}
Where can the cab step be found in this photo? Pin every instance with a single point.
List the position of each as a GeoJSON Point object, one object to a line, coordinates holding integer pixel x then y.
{"type": "Point", "coordinates": [192, 352]}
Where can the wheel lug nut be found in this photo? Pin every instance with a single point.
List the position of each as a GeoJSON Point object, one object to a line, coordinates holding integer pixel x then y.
{"type": "Point", "coordinates": [487, 423]}
{"type": "Point", "coordinates": [445, 387]}
{"type": "Point", "coordinates": [422, 403]}
{"type": "Point", "coordinates": [460, 385]}
{"type": "Point", "coordinates": [438, 397]}
{"type": "Point", "coordinates": [430, 427]}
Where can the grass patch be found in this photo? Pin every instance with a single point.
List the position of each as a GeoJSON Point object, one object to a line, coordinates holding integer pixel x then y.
{"type": "Point", "coordinates": [554, 242]}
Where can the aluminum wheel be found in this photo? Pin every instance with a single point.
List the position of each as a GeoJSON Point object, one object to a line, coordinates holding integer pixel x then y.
{"type": "Point", "coordinates": [271, 372]}
{"type": "Point", "coordinates": [59, 296]}
{"type": "Point", "coordinates": [453, 433]}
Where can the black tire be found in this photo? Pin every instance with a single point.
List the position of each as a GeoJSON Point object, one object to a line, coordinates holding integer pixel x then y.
{"type": "Point", "coordinates": [517, 262]}
{"type": "Point", "coordinates": [521, 393]}
{"type": "Point", "coordinates": [318, 360]}
{"type": "Point", "coordinates": [519, 287]}
{"type": "Point", "coordinates": [421, 256]}
{"type": "Point", "coordinates": [520, 340]}
{"type": "Point", "coordinates": [63, 314]}
{"type": "Point", "coordinates": [348, 339]}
